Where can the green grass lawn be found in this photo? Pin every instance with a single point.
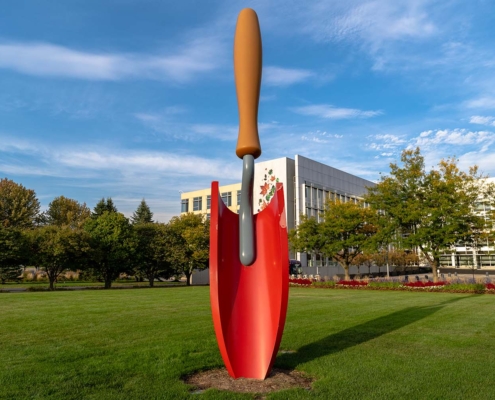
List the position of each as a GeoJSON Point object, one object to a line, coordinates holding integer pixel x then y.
{"type": "Point", "coordinates": [136, 344]}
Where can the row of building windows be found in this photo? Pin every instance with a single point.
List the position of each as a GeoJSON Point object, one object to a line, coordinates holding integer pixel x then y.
{"type": "Point", "coordinates": [198, 201]}
{"type": "Point", "coordinates": [317, 198]}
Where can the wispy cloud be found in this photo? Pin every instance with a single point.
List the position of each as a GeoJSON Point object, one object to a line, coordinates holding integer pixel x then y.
{"type": "Point", "coordinates": [330, 112]}
{"type": "Point", "coordinates": [480, 120]}
{"type": "Point", "coordinates": [277, 76]}
{"type": "Point", "coordinates": [387, 142]}
{"type": "Point", "coordinates": [46, 59]}
{"type": "Point", "coordinates": [484, 102]}
{"type": "Point", "coordinates": [170, 128]}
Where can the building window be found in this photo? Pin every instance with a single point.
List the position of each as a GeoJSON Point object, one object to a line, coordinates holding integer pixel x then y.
{"type": "Point", "coordinates": [227, 198]}
{"type": "Point", "coordinates": [238, 197]}
{"type": "Point", "coordinates": [208, 202]}
{"type": "Point", "coordinates": [208, 217]}
{"type": "Point", "coordinates": [184, 205]}
{"type": "Point", "coordinates": [197, 203]}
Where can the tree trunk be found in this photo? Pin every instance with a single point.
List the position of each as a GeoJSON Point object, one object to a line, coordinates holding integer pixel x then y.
{"type": "Point", "coordinates": [108, 282]}
{"type": "Point", "coordinates": [188, 275]}
{"type": "Point", "coordinates": [346, 272]}
{"type": "Point", "coordinates": [151, 279]}
{"type": "Point", "coordinates": [434, 268]}
{"type": "Point", "coordinates": [51, 280]}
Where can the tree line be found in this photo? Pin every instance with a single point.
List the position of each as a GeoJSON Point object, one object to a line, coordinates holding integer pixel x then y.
{"type": "Point", "coordinates": [420, 213]}
{"type": "Point", "coordinates": [101, 243]}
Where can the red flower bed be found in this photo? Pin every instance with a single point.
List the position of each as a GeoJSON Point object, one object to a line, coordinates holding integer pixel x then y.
{"type": "Point", "coordinates": [490, 286]}
{"type": "Point", "coordinates": [300, 281]}
{"type": "Point", "coordinates": [419, 284]}
{"type": "Point", "coordinates": [352, 283]}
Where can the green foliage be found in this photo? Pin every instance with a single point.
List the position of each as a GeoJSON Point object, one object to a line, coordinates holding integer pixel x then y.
{"type": "Point", "coordinates": [430, 210]}
{"type": "Point", "coordinates": [19, 207]}
{"type": "Point", "coordinates": [58, 248]}
{"type": "Point", "coordinates": [113, 245]}
{"type": "Point", "coordinates": [152, 256]}
{"type": "Point", "coordinates": [13, 253]}
{"type": "Point", "coordinates": [188, 243]}
{"type": "Point", "coordinates": [102, 206]}
{"type": "Point", "coordinates": [63, 211]}
{"type": "Point", "coordinates": [345, 231]}
{"type": "Point", "coordinates": [143, 214]}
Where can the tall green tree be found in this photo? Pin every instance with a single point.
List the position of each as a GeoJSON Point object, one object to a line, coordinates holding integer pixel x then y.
{"type": "Point", "coordinates": [56, 249]}
{"type": "Point", "coordinates": [63, 211]}
{"type": "Point", "coordinates": [143, 214]}
{"type": "Point", "coordinates": [345, 230]}
{"type": "Point", "coordinates": [113, 245]}
{"type": "Point", "coordinates": [13, 253]}
{"type": "Point", "coordinates": [19, 207]}
{"type": "Point", "coordinates": [307, 238]}
{"type": "Point", "coordinates": [348, 229]}
{"type": "Point", "coordinates": [188, 243]}
{"type": "Point", "coordinates": [152, 256]}
{"type": "Point", "coordinates": [431, 210]}
{"type": "Point", "coordinates": [102, 206]}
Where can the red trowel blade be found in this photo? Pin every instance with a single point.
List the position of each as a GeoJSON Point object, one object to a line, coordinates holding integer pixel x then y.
{"type": "Point", "coordinates": [249, 304]}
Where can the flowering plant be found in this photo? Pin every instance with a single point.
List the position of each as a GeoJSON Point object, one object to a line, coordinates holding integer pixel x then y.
{"type": "Point", "coordinates": [302, 282]}
{"type": "Point", "coordinates": [490, 286]}
{"type": "Point", "coordinates": [425, 285]}
{"type": "Point", "coordinates": [352, 283]}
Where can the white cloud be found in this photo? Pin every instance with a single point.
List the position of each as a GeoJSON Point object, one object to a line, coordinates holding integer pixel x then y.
{"type": "Point", "coordinates": [387, 141]}
{"type": "Point", "coordinates": [478, 119]}
{"type": "Point", "coordinates": [330, 112]}
{"type": "Point", "coordinates": [277, 76]}
{"type": "Point", "coordinates": [46, 59]}
{"type": "Point", "coordinates": [457, 137]}
{"type": "Point", "coordinates": [485, 102]}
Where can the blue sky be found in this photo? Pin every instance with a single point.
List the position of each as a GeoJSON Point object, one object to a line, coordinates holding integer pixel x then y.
{"type": "Point", "coordinates": [136, 99]}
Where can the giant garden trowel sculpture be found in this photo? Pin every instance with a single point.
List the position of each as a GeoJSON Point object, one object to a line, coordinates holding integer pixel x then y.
{"type": "Point", "coordinates": [248, 253]}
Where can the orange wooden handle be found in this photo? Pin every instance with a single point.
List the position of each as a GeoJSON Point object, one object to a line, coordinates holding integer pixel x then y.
{"type": "Point", "coordinates": [247, 71]}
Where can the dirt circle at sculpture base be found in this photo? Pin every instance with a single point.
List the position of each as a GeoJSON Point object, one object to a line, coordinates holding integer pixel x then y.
{"type": "Point", "coordinates": [220, 379]}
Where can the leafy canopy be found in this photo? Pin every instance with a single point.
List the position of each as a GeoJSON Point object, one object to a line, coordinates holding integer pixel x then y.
{"type": "Point", "coordinates": [19, 207]}
{"type": "Point", "coordinates": [431, 210]}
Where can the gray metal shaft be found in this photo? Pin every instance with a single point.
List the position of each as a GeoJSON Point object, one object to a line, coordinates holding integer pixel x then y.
{"type": "Point", "coordinates": [247, 251]}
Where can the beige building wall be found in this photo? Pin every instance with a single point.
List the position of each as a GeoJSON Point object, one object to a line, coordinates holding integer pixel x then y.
{"type": "Point", "coordinates": [198, 201]}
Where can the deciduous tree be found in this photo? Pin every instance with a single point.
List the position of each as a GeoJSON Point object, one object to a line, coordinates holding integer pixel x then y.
{"type": "Point", "coordinates": [431, 210]}
{"type": "Point", "coordinates": [58, 248]}
{"type": "Point", "coordinates": [189, 243]}
{"type": "Point", "coordinates": [153, 254]}
{"type": "Point", "coordinates": [19, 207]}
{"type": "Point", "coordinates": [348, 229]}
{"type": "Point", "coordinates": [344, 231]}
{"type": "Point", "coordinates": [63, 211]}
{"type": "Point", "coordinates": [113, 244]}
{"type": "Point", "coordinates": [13, 253]}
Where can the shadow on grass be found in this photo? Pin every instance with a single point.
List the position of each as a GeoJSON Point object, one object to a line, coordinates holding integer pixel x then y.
{"type": "Point", "coordinates": [359, 334]}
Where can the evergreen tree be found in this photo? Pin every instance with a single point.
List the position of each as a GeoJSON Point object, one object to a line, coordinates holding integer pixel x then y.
{"type": "Point", "coordinates": [19, 207]}
{"type": "Point", "coordinates": [143, 214]}
{"type": "Point", "coordinates": [102, 206]}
